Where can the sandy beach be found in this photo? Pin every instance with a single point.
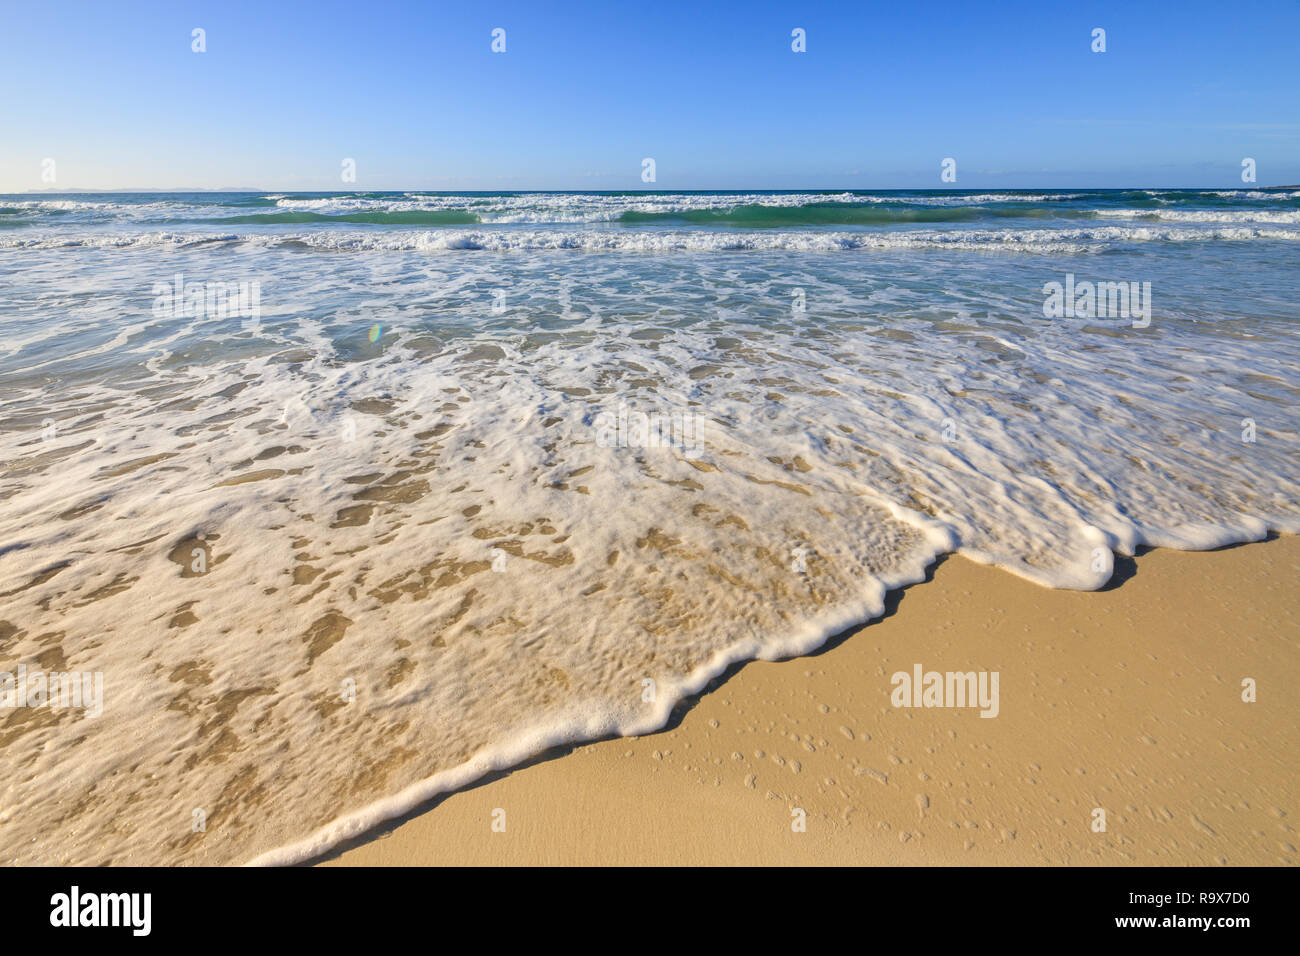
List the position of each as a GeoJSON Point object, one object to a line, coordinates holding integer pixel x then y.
{"type": "Point", "coordinates": [1127, 700]}
{"type": "Point", "coordinates": [339, 500]}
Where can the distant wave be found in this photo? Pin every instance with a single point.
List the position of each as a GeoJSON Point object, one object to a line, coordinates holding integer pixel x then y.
{"type": "Point", "coordinates": [753, 210]}
{"type": "Point", "coordinates": [412, 217]}
{"type": "Point", "coordinates": [1204, 215]}
{"type": "Point", "coordinates": [1035, 221]}
{"type": "Point", "coordinates": [761, 215]}
{"type": "Point", "coordinates": [1059, 241]}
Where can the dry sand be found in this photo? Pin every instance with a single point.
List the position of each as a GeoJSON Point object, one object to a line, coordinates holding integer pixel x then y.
{"type": "Point", "coordinates": [1128, 700]}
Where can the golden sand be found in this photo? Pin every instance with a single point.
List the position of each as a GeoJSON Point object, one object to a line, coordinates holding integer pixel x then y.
{"type": "Point", "coordinates": [1127, 700]}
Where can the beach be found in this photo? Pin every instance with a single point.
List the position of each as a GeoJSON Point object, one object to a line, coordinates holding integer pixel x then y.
{"type": "Point", "coordinates": [318, 506]}
{"type": "Point", "coordinates": [1127, 699]}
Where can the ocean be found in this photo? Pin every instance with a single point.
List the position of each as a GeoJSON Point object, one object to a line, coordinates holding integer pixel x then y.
{"type": "Point", "coordinates": [343, 500]}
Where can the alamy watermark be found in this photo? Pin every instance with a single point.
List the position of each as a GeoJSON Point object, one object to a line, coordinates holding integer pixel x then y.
{"type": "Point", "coordinates": [130, 910]}
{"type": "Point", "coordinates": [632, 429]}
{"type": "Point", "coordinates": [213, 300]}
{"type": "Point", "coordinates": [1098, 300]}
{"type": "Point", "coordinates": [949, 689]}
{"type": "Point", "coordinates": [81, 689]}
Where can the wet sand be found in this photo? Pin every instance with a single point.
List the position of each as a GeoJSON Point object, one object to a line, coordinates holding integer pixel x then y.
{"type": "Point", "coordinates": [1126, 700]}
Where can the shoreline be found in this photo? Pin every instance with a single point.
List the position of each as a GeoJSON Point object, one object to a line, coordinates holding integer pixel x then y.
{"type": "Point", "coordinates": [1125, 699]}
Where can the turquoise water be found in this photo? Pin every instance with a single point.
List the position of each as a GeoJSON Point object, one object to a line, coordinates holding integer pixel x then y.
{"type": "Point", "coordinates": [656, 219]}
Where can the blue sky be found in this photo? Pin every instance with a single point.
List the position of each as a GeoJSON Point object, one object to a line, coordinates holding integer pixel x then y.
{"type": "Point", "coordinates": [712, 91]}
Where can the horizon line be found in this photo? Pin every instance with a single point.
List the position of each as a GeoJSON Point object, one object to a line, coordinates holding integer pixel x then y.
{"type": "Point", "coordinates": [727, 189]}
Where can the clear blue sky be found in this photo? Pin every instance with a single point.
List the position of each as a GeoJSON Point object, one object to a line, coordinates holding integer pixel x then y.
{"type": "Point", "coordinates": [712, 91]}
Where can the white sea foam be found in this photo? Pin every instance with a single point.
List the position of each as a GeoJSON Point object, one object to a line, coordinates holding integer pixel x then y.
{"type": "Point", "coordinates": [1257, 194]}
{"type": "Point", "coordinates": [597, 207]}
{"type": "Point", "coordinates": [1060, 241]}
{"type": "Point", "coordinates": [558, 207]}
{"type": "Point", "coordinates": [1205, 215]}
{"type": "Point", "coordinates": [576, 209]}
